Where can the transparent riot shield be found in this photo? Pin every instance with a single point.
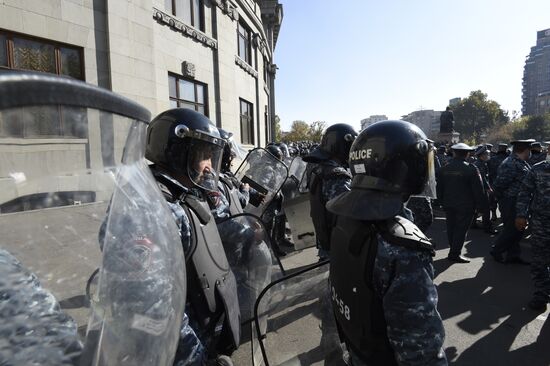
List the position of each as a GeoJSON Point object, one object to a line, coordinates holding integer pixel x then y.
{"type": "Point", "coordinates": [248, 250]}
{"type": "Point", "coordinates": [296, 183]}
{"type": "Point", "coordinates": [73, 179]}
{"type": "Point", "coordinates": [294, 323]}
{"type": "Point", "coordinates": [266, 175]}
{"type": "Point", "coordinates": [297, 207]}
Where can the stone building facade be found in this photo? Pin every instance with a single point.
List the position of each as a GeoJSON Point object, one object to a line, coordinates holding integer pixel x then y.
{"type": "Point", "coordinates": [215, 56]}
{"type": "Point", "coordinates": [212, 55]}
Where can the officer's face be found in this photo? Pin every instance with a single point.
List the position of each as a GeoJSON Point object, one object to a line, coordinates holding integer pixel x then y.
{"type": "Point", "coordinates": [205, 167]}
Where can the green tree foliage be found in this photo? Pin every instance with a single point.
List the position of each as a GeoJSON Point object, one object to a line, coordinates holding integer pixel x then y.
{"type": "Point", "coordinates": [528, 127]}
{"type": "Point", "coordinates": [476, 116]}
{"type": "Point", "coordinates": [298, 131]}
{"type": "Point", "coordinates": [316, 130]}
{"type": "Point", "coordinates": [302, 131]}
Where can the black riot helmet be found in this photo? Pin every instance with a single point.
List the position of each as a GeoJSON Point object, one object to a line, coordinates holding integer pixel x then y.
{"type": "Point", "coordinates": [186, 144]}
{"type": "Point", "coordinates": [389, 161]}
{"type": "Point", "coordinates": [392, 156]}
{"type": "Point", "coordinates": [275, 151]}
{"type": "Point", "coordinates": [284, 150]}
{"type": "Point", "coordinates": [337, 140]}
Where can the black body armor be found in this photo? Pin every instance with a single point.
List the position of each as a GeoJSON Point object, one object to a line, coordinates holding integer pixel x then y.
{"type": "Point", "coordinates": [358, 309]}
{"type": "Point", "coordinates": [212, 287]}
{"type": "Point", "coordinates": [323, 221]}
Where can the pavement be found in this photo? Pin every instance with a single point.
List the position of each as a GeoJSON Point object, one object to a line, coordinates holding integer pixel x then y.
{"type": "Point", "coordinates": [483, 305]}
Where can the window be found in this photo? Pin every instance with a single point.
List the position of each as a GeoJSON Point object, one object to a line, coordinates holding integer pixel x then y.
{"type": "Point", "coordinates": [247, 123]}
{"type": "Point", "coordinates": [29, 53]}
{"type": "Point", "coordinates": [26, 53]}
{"type": "Point", "coordinates": [245, 44]}
{"type": "Point", "coordinates": [267, 126]}
{"type": "Point", "coordinates": [190, 11]}
{"type": "Point", "coordinates": [44, 122]}
{"type": "Point", "coordinates": [266, 65]}
{"type": "Point", "coordinates": [187, 94]}
{"type": "Point", "coordinates": [3, 51]}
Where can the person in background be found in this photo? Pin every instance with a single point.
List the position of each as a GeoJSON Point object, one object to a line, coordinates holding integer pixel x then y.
{"type": "Point", "coordinates": [461, 193]}
{"type": "Point", "coordinates": [510, 174]}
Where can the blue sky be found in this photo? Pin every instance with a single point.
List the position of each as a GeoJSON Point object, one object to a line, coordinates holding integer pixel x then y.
{"type": "Point", "coordinates": [342, 61]}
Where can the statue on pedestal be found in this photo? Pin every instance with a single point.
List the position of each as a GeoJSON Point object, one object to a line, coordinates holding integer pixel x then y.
{"type": "Point", "coordinates": [447, 132]}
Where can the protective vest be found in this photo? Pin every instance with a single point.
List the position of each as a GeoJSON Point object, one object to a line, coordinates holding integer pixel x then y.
{"type": "Point", "coordinates": [323, 221]}
{"type": "Point", "coordinates": [357, 308]}
{"type": "Point", "coordinates": [232, 195]}
{"type": "Point", "coordinates": [212, 287]}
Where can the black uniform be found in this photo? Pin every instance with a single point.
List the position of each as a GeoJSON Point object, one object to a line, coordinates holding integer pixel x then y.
{"type": "Point", "coordinates": [460, 191]}
{"type": "Point", "coordinates": [328, 177]}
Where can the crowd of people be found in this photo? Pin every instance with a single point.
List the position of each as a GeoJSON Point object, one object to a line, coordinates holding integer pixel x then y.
{"type": "Point", "coordinates": [477, 180]}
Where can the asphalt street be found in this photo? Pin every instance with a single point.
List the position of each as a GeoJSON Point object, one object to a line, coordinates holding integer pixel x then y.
{"type": "Point", "coordinates": [482, 304]}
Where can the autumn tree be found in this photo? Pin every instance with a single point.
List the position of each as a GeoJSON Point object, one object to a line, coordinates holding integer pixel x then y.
{"type": "Point", "coordinates": [316, 130]}
{"type": "Point", "coordinates": [477, 115]}
{"type": "Point", "coordinates": [298, 131]}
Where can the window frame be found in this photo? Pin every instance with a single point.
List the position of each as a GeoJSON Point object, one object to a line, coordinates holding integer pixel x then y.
{"type": "Point", "coordinates": [250, 120]}
{"type": "Point", "coordinates": [247, 38]}
{"type": "Point", "coordinates": [195, 83]}
{"type": "Point", "coordinates": [10, 53]}
{"type": "Point", "coordinates": [172, 11]}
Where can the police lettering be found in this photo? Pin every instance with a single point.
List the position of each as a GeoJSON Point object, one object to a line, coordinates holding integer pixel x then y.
{"type": "Point", "coordinates": [360, 154]}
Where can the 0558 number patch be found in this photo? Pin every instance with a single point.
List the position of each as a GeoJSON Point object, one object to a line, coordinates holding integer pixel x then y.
{"type": "Point", "coordinates": [339, 304]}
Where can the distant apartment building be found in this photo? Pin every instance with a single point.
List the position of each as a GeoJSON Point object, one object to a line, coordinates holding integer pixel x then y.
{"type": "Point", "coordinates": [427, 120]}
{"type": "Point", "coordinates": [543, 103]}
{"type": "Point", "coordinates": [536, 74]}
{"type": "Point", "coordinates": [371, 120]}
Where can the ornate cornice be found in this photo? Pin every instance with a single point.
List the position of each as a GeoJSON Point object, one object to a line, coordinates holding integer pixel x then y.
{"type": "Point", "coordinates": [245, 66]}
{"type": "Point", "coordinates": [227, 8]}
{"type": "Point", "coordinates": [178, 26]}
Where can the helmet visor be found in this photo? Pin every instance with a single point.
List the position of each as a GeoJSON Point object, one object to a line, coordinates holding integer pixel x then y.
{"type": "Point", "coordinates": [429, 187]}
{"type": "Point", "coordinates": [203, 163]}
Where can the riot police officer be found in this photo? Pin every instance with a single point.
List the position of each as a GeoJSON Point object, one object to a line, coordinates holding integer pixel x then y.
{"type": "Point", "coordinates": [237, 193]}
{"type": "Point", "coordinates": [274, 217]}
{"type": "Point", "coordinates": [381, 272]}
{"type": "Point", "coordinates": [510, 175]}
{"type": "Point", "coordinates": [186, 150]}
{"type": "Point", "coordinates": [328, 177]}
{"type": "Point", "coordinates": [483, 155]}
{"type": "Point", "coordinates": [460, 190]}
{"type": "Point", "coordinates": [533, 205]}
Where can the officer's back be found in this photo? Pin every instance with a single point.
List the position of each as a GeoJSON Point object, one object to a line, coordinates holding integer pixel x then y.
{"type": "Point", "coordinates": [457, 184]}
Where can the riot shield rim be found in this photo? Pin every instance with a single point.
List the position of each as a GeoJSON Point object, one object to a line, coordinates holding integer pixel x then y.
{"type": "Point", "coordinates": [260, 148]}
{"type": "Point", "coordinates": [259, 221]}
{"type": "Point", "coordinates": [24, 89]}
{"type": "Point", "coordinates": [270, 154]}
{"type": "Point", "coordinates": [257, 327]}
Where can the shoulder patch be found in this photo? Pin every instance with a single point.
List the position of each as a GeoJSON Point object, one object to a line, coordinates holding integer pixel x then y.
{"type": "Point", "coordinates": [400, 231]}
{"type": "Point", "coordinates": [336, 171]}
